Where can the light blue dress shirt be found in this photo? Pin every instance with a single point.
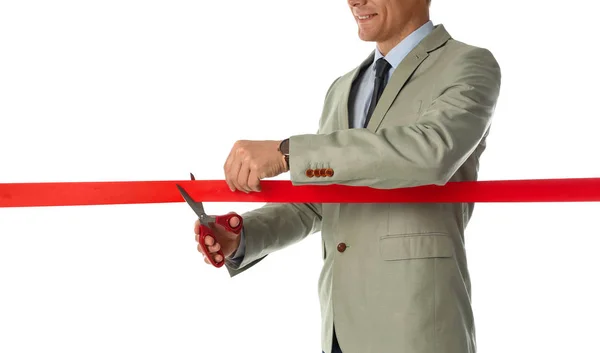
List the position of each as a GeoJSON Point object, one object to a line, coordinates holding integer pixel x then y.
{"type": "Point", "coordinates": [362, 100]}
{"type": "Point", "coordinates": [358, 111]}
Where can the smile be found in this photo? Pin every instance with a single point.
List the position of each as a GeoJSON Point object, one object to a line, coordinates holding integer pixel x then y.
{"type": "Point", "coordinates": [366, 17]}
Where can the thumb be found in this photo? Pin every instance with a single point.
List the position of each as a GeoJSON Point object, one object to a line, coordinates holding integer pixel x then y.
{"type": "Point", "coordinates": [234, 222]}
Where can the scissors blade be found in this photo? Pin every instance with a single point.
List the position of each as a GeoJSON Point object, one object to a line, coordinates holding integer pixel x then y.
{"type": "Point", "coordinates": [196, 206]}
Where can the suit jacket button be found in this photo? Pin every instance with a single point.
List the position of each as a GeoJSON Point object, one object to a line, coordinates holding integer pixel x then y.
{"type": "Point", "coordinates": [318, 173]}
{"type": "Point", "coordinates": [310, 173]}
{"type": "Point", "coordinates": [329, 172]}
{"type": "Point", "coordinates": [341, 247]}
{"type": "Point", "coordinates": [322, 172]}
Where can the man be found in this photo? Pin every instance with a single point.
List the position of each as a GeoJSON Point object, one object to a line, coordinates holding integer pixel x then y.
{"type": "Point", "coordinates": [416, 111]}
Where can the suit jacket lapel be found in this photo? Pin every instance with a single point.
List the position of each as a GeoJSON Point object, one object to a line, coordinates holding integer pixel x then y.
{"type": "Point", "coordinates": [349, 88]}
{"type": "Point", "coordinates": [434, 40]}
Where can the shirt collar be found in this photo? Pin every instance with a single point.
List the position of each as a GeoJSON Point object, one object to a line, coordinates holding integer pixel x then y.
{"type": "Point", "coordinates": [397, 54]}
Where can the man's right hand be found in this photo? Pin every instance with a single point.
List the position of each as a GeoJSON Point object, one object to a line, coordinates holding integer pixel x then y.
{"type": "Point", "coordinates": [226, 241]}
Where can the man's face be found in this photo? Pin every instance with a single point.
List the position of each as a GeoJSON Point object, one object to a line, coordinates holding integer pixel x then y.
{"type": "Point", "coordinates": [381, 20]}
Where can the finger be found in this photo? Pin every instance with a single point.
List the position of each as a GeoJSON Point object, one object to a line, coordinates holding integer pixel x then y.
{"type": "Point", "coordinates": [253, 180]}
{"type": "Point", "coordinates": [232, 166]}
{"type": "Point", "coordinates": [208, 240]}
{"type": "Point", "coordinates": [197, 227]}
{"type": "Point", "coordinates": [230, 157]}
{"type": "Point", "coordinates": [233, 175]}
{"type": "Point", "coordinates": [216, 257]}
{"type": "Point", "coordinates": [234, 221]}
{"type": "Point", "coordinates": [227, 169]}
{"type": "Point", "coordinates": [228, 161]}
{"type": "Point", "coordinates": [242, 179]}
{"type": "Point", "coordinates": [197, 237]}
{"type": "Point", "coordinates": [214, 248]}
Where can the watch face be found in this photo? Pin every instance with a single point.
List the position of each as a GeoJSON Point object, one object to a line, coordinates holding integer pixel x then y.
{"type": "Point", "coordinates": [284, 147]}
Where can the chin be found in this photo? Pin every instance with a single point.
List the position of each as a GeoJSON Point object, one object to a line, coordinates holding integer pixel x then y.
{"type": "Point", "coordinates": [366, 36]}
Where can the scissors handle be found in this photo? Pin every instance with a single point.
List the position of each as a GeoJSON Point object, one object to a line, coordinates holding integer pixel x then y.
{"type": "Point", "coordinates": [225, 221]}
{"type": "Point", "coordinates": [204, 232]}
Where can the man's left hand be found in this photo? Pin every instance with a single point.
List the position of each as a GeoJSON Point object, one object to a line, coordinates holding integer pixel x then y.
{"type": "Point", "coordinates": [250, 161]}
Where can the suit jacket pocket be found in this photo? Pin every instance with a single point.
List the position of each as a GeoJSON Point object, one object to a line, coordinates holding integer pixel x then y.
{"type": "Point", "coordinates": [415, 246]}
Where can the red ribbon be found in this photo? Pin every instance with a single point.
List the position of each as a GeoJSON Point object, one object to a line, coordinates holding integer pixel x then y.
{"type": "Point", "coordinates": [144, 192]}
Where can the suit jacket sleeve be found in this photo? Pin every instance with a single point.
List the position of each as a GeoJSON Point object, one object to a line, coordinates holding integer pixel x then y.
{"type": "Point", "coordinates": [427, 152]}
{"type": "Point", "coordinates": [273, 227]}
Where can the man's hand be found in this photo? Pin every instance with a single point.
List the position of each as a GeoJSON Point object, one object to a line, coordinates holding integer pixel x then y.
{"type": "Point", "coordinates": [250, 161]}
{"type": "Point", "coordinates": [226, 241]}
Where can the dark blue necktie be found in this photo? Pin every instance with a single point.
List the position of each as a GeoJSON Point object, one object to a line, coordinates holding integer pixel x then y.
{"type": "Point", "coordinates": [381, 69]}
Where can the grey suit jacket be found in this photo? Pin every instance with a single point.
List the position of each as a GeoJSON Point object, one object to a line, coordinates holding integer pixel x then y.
{"type": "Point", "coordinates": [395, 276]}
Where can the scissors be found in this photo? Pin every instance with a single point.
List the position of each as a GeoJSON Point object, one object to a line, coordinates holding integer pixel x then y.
{"type": "Point", "coordinates": [206, 220]}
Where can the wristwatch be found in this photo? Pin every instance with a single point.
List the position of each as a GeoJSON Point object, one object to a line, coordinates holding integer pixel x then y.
{"type": "Point", "coordinates": [284, 148]}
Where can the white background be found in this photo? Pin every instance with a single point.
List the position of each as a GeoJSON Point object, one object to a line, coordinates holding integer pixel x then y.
{"type": "Point", "coordinates": [153, 90]}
